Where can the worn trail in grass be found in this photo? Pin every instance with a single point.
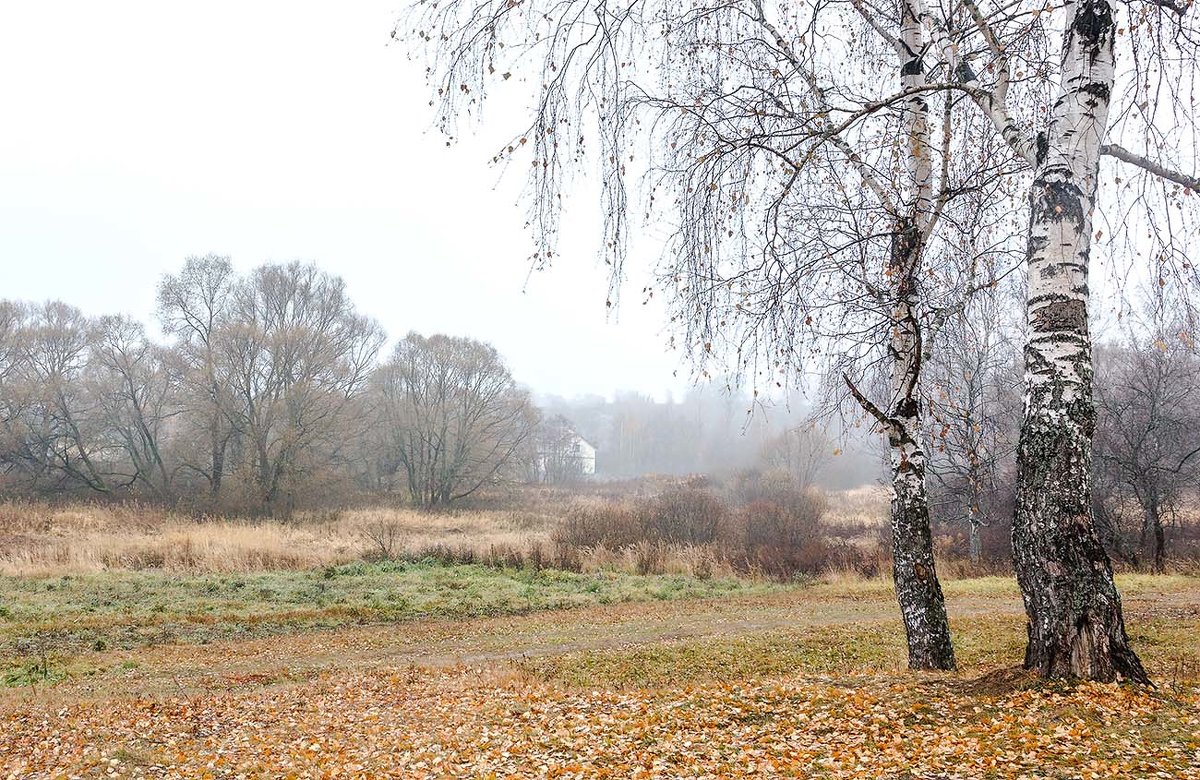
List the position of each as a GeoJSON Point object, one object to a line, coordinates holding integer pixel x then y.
{"type": "Point", "coordinates": [51, 627]}
{"type": "Point", "coordinates": [663, 630]}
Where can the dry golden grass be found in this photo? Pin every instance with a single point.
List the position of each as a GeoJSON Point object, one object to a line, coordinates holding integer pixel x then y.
{"type": "Point", "coordinates": [865, 508]}
{"type": "Point", "coordinates": [40, 540]}
{"type": "Point", "coordinates": [43, 540]}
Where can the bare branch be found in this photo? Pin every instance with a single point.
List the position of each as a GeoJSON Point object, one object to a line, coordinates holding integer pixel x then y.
{"type": "Point", "coordinates": [1146, 164]}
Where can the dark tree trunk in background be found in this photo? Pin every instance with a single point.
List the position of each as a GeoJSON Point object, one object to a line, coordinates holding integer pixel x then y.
{"type": "Point", "coordinates": [1076, 629]}
{"type": "Point", "coordinates": [1157, 534]}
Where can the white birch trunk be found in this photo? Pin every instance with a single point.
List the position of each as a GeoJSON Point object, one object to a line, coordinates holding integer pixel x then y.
{"type": "Point", "coordinates": [917, 588]}
{"type": "Point", "coordinates": [1074, 611]}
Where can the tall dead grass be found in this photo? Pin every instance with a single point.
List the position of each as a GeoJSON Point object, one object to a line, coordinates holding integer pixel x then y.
{"type": "Point", "coordinates": [863, 510]}
{"type": "Point", "coordinates": [45, 540]}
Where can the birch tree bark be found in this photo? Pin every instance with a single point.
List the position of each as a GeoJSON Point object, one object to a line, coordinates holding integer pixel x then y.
{"type": "Point", "coordinates": [1076, 629]}
{"type": "Point", "coordinates": [917, 587]}
{"type": "Point", "coordinates": [918, 590]}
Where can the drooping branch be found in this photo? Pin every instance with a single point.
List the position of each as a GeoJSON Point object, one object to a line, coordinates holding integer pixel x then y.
{"type": "Point", "coordinates": [993, 102]}
{"type": "Point", "coordinates": [834, 136]}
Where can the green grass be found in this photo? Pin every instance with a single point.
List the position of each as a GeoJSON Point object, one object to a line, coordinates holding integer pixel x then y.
{"type": "Point", "coordinates": [981, 643]}
{"type": "Point", "coordinates": [46, 621]}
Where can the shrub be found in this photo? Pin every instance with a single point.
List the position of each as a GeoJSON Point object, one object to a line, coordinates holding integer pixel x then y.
{"type": "Point", "coordinates": [504, 556]}
{"type": "Point", "coordinates": [567, 558]}
{"type": "Point", "coordinates": [610, 524]}
{"type": "Point", "coordinates": [684, 515]}
{"type": "Point", "coordinates": [386, 537]}
{"type": "Point", "coordinates": [779, 541]}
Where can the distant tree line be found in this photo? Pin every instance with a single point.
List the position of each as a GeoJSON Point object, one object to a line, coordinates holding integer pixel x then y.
{"type": "Point", "coordinates": [271, 392]}
{"type": "Point", "coordinates": [268, 393]}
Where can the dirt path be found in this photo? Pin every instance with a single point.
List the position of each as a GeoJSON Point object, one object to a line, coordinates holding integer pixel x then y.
{"type": "Point", "coordinates": [287, 659]}
{"type": "Point", "coordinates": [233, 665]}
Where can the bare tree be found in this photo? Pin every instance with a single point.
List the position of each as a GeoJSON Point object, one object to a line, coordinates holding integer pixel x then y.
{"type": "Point", "coordinates": [556, 451]}
{"type": "Point", "coordinates": [821, 212]}
{"type": "Point", "coordinates": [137, 390]}
{"type": "Point", "coordinates": [58, 431]}
{"type": "Point", "coordinates": [454, 416]}
{"type": "Point", "coordinates": [801, 453]}
{"type": "Point", "coordinates": [193, 307]}
{"type": "Point", "coordinates": [974, 373]}
{"type": "Point", "coordinates": [296, 355]}
{"type": "Point", "coordinates": [1148, 433]}
{"type": "Point", "coordinates": [12, 324]}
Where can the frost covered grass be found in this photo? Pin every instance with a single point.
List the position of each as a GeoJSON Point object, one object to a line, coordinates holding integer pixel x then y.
{"type": "Point", "coordinates": [46, 622]}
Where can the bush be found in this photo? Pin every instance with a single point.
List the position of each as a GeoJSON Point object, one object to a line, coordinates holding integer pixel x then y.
{"type": "Point", "coordinates": [779, 541]}
{"type": "Point", "coordinates": [684, 515]}
{"type": "Point", "coordinates": [567, 558]}
{"type": "Point", "coordinates": [610, 524]}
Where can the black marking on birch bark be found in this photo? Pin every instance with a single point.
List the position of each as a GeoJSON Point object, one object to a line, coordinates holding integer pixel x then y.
{"type": "Point", "coordinates": [1055, 201]}
{"type": "Point", "coordinates": [1096, 90]}
{"type": "Point", "coordinates": [1047, 298]}
{"type": "Point", "coordinates": [1043, 147]}
{"type": "Point", "coordinates": [1068, 316]}
{"type": "Point", "coordinates": [1093, 23]}
{"type": "Point", "coordinates": [913, 67]}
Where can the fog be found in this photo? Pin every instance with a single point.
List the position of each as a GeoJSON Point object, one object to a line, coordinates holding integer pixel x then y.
{"type": "Point", "coordinates": [139, 134]}
{"type": "Point", "coordinates": [289, 131]}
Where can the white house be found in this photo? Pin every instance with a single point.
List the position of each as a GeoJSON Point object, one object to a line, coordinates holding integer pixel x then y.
{"type": "Point", "coordinates": [583, 454]}
{"type": "Point", "coordinates": [562, 454]}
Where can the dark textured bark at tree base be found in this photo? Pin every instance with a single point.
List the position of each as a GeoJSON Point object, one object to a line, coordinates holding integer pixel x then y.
{"type": "Point", "coordinates": [1075, 629]}
{"type": "Point", "coordinates": [922, 604]}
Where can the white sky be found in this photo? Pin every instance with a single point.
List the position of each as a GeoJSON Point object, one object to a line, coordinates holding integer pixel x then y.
{"type": "Point", "coordinates": [133, 134]}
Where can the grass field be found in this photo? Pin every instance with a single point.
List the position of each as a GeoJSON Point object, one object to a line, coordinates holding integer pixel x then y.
{"type": "Point", "coordinates": [48, 625]}
{"type": "Point", "coordinates": [433, 671]}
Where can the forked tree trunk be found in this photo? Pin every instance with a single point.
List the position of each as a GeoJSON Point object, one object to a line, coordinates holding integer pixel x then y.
{"type": "Point", "coordinates": [1076, 629]}
{"type": "Point", "coordinates": [918, 591]}
{"type": "Point", "coordinates": [917, 587]}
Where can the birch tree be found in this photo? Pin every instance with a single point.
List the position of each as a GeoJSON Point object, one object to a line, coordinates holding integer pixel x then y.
{"type": "Point", "coordinates": [807, 159]}
{"type": "Point", "coordinates": [1075, 623]}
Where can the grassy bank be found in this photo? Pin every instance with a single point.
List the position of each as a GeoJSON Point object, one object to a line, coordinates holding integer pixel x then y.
{"type": "Point", "coordinates": [46, 621]}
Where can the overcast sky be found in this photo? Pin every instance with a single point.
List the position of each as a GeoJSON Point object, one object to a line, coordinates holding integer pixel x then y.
{"type": "Point", "coordinates": [136, 134]}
